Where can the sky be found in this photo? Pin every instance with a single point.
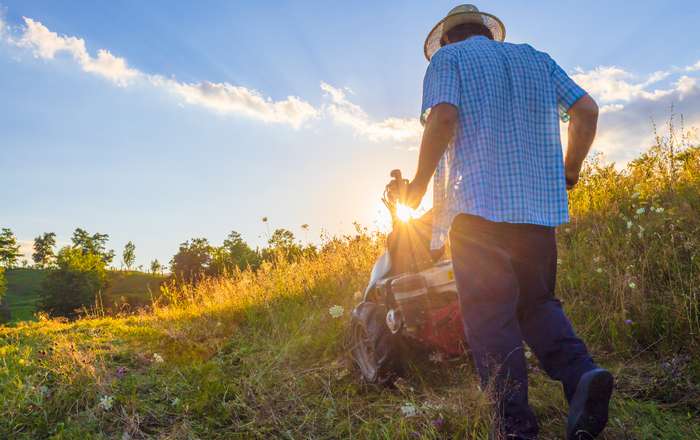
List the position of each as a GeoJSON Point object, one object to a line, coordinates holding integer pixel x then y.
{"type": "Point", "coordinates": [161, 121]}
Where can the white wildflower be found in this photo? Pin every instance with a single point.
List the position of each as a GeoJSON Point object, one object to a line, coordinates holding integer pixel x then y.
{"type": "Point", "coordinates": [641, 211]}
{"type": "Point", "coordinates": [336, 311]}
{"type": "Point", "coordinates": [629, 224]}
{"type": "Point", "coordinates": [106, 402]}
{"type": "Point", "coordinates": [158, 359]}
{"type": "Point", "coordinates": [632, 285]}
{"type": "Point", "coordinates": [599, 270]}
{"type": "Point", "coordinates": [409, 410]}
{"type": "Point", "coordinates": [558, 260]}
{"type": "Point", "coordinates": [660, 209]}
{"type": "Point", "coordinates": [436, 357]}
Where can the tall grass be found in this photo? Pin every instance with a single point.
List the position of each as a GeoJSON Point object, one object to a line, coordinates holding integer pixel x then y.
{"type": "Point", "coordinates": [258, 355]}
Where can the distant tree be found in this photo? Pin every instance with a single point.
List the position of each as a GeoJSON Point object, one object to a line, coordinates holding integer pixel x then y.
{"type": "Point", "coordinates": [9, 249]}
{"type": "Point", "coordinates": [283, 244]}
{"type": "Point", "coordinates": [3, 284]}
{"type": "Point", "coordinates": [43, 254]}
{"type": "Point", "coordinates": [74, 283]}
{"type": "Point", "coordinates": [305, 228]}
{"type": "Point", "coordinates": [129, 255]}
{"type": "Point", "coordinates": [234, 253]}
{"type": "Point", "coordinates": [192, 260]}
{"type": "Point", "coordinates": [5, 314]}
{"type": "Point", "coordinates": [156, 268]}
{"type": "Point", "coordinates": [92, 244]}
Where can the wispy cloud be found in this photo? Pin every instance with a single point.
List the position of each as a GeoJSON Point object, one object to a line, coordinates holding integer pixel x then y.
{"type": "Point", "coordinates": [344, 112]}
{"type": "Point", "coordinates": [220, 97]}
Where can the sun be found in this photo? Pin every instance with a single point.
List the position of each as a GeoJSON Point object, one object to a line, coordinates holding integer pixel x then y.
{"type": "Point", "coordinates": [405, 213]}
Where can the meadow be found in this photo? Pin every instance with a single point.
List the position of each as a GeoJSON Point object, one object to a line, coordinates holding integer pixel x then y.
{"type": "Point", "coordinates": [256, 354]}
{"type": "Point", "coordinates": [126, 290]}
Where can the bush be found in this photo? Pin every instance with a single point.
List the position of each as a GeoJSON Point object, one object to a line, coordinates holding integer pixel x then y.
{"type": "Point", "coordinates": [74, 284]}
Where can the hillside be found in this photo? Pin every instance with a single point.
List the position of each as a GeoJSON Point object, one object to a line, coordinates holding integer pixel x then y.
{"type": "Point", "coordinates": [258, 355]}
{"type": "Point", "coordinates": [127, 290]}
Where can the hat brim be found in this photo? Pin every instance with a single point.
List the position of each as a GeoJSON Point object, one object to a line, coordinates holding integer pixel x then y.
{"type": "Point", "coordinates": [432, 43]}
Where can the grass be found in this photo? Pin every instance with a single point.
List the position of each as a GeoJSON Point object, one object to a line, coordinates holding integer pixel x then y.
{"type": "Point", "coordinates": [127, 290]}
{"type": "Point", "coordinates": [257, 355]}
{"type": "Point", "coordinates": [23, 291]}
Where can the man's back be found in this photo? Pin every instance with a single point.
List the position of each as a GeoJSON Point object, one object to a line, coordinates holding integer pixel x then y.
{"type": "Point", "coordinates": [505, 163]}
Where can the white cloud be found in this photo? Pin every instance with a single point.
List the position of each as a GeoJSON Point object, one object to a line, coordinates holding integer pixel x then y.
{"type": "Point", "coordinates": [229, 99]}
{"type": "Point", "coordinates": [220, 97]}
{"type": "Point", "coordinates": [46, 44]}
{"type": "Point", "coordinates": [630, 106]}
{"type": "Point", "coordinates": [344, 112]}
{"type": "Point", "coordinates": [695, 67]}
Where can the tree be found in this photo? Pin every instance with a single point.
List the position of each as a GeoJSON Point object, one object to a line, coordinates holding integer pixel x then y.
{"type": "Point", "coordinates": [156, 268]}
{"type": "Point", "coordinates": [9, 249]}
{"type": "Point", "coordinates": [283, 244]}
{"type": "Point", "coordinates": [43, 254]}
{"type": "Point", "coordinates": [74, 283]}
{"type": "Point", "coordinates": [129, 255]}
{"type": "Point", "coordinates": [234, 253]}
{"type": "Point", "coordinates": [192, 260]}
{"type": "Point", "coordinates": [5, 314]}
{"type": "Point", "coordinates": [95, 244]}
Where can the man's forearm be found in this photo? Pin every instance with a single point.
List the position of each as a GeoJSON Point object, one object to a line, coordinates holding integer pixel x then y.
{"type": "Point", "coordinates": [582, 130]}
{"type": "Point", "coordinates": [439, 130]}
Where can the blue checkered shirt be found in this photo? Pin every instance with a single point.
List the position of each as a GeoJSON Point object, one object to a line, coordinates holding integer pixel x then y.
{"type": "Point", "coordinates": [505, 161]}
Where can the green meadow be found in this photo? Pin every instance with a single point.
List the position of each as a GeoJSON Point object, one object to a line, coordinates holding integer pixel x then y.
{"type": "Point", "coordinates": [256, 354]}
{"type": "Point", "coordinates": [126, 290]}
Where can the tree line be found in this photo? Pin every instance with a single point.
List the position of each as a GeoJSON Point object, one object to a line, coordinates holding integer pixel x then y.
{"type": "Point", "coordinates": [77, 273]}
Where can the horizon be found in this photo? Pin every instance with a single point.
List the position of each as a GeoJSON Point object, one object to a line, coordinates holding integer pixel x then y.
{"type": "Point", "coordinates": [196, 121]}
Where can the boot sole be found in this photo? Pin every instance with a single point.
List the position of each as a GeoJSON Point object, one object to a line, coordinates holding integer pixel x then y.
{"type": "Point", "coordinates": [589, 407]}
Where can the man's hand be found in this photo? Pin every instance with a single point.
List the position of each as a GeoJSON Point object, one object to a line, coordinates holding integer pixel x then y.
{"type": "Point", "coordinates": [414, 193]}
{"type": "Point", "coordinates": [582, 128]}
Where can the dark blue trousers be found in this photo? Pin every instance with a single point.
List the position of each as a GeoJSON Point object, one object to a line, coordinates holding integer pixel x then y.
{"type": "Point", "coordinates": [505, 276]}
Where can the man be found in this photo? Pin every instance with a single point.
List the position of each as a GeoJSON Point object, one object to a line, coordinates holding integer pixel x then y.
{"type": "Point", "coordinates": [491, 112]}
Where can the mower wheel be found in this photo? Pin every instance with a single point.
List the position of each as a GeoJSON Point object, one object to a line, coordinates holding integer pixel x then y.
{"type": "Point", "coordinates": [375, 350]}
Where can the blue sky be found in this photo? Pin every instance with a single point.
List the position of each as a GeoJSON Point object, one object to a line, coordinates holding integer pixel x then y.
{"type": "Point", "coordinates": [185, 127]}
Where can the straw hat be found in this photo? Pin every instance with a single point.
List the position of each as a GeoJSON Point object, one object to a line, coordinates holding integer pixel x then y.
{"type": "Point", "coordinates": [460, 15]}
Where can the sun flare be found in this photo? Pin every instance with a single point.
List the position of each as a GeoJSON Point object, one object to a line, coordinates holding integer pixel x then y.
{"type": "Point", "coordinates": [405, 213]}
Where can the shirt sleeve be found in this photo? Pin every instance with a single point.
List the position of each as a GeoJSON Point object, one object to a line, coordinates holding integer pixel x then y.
{"type": "Point", "coordinates": [441, 83]}
{"type": "Point", "coordinates": [568, 92]}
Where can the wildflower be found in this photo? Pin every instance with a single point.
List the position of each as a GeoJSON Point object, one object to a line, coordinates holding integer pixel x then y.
{"type": "Point", "coordinates": [438, 423]}
{"type": "Point", "coordinates": [641, 211]}
{"type": "Point", "coordinates": [599, 270]}
{"type": "Point", "coordinates": [596, 259]}
{"type": "Point", "coordinates": [632, 285]}
{"type": "Point", "coordinates": [409, 410]}
{"type": "Point", "coordinates": [558, 260]}
{"type": "Point", "coordinates": [628, 322]}
{"type": "Point", "coordinates": [121, 372]}
{"type": "Point", "coordinates": [436, 357]}
{"type": "Point", "coordinates": [106, 402]}
{"type": "Point", "coordinates": [629, 224]}
{"type": "Point", "coordinates": [336, 311]}
{"type": "Point", "coordinates": [175, 401]}
{"type": "Point", "coordinates": [158, 359]}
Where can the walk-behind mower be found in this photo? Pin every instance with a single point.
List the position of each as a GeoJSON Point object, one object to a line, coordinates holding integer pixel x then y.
{"type": "Point", "coordinates": [410, 304]}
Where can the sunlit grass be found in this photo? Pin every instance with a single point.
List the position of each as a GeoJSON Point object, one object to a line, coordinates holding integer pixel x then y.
{"type": "Point", "coordinates": [263, 354]}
